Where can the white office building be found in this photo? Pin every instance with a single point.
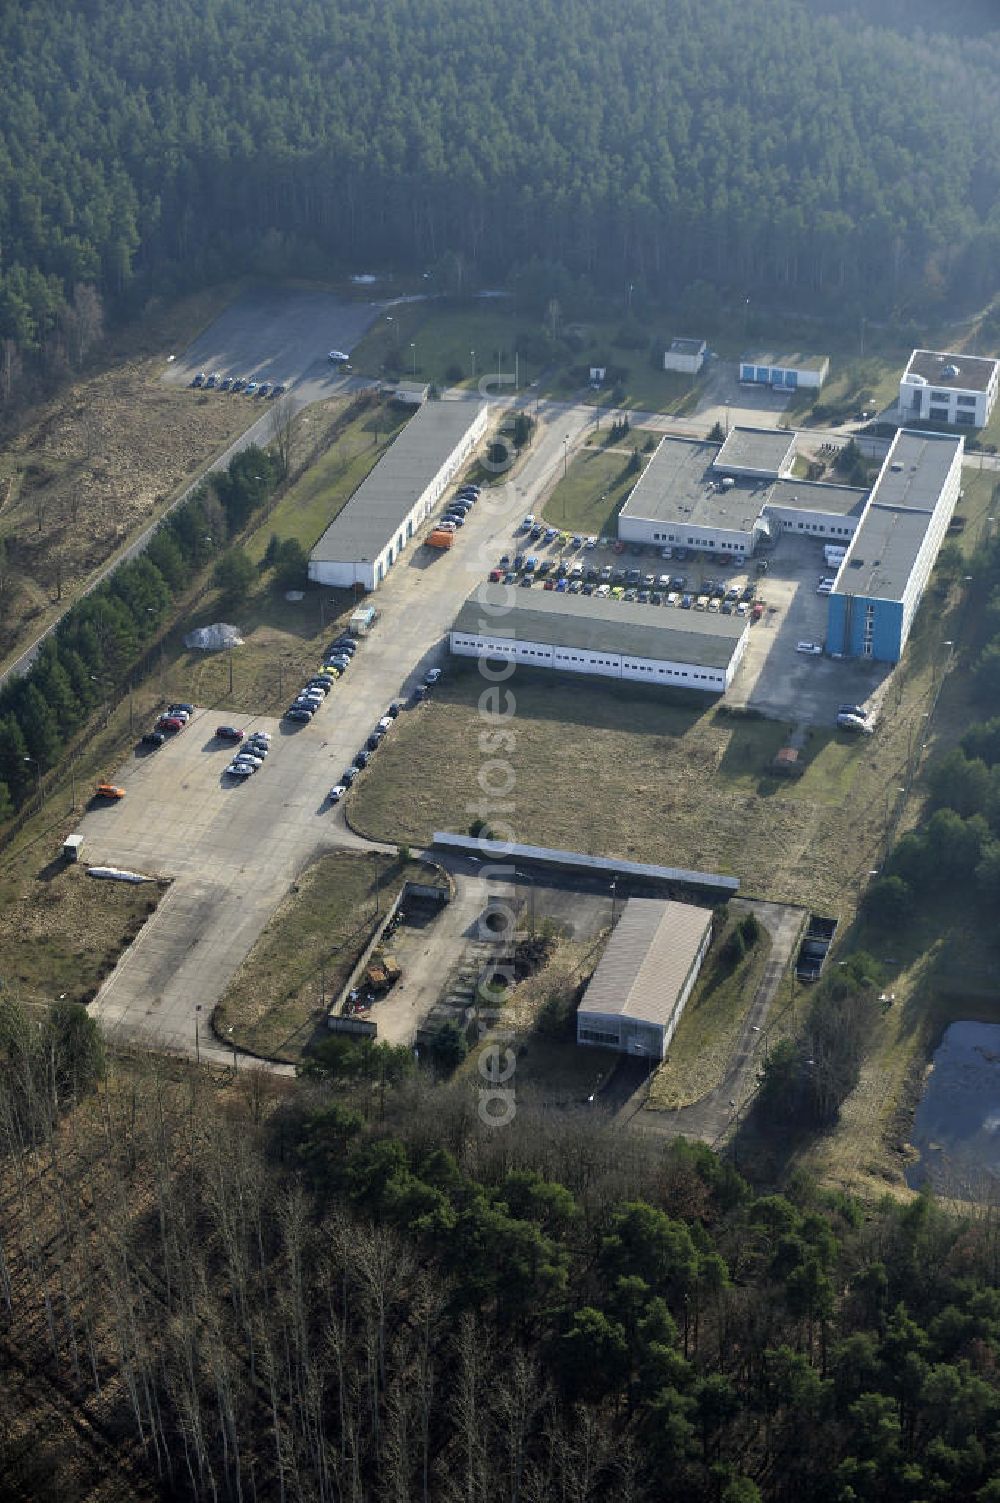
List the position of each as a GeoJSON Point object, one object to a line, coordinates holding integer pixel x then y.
{"type": "Point", "coordinates": [709, 498]}
{"type": "Point", "coordinates": [360, 546]}
{"type": "Point", "coordinates": [941, 388]}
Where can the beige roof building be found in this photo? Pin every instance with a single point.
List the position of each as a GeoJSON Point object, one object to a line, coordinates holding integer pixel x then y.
{"type": "Point", "coordinates": [638, 992]}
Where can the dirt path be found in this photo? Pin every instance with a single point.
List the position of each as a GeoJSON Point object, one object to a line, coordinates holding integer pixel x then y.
{"type": "Point", "coordinates": [710, 1118]}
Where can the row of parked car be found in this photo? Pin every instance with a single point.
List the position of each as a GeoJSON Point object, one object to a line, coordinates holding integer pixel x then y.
{"type": "Point", "coordinates": [379, 732]}
{"type": "Point", "coordinates": [339, 656]}
{"type": "Point", "coordinates": [252, 753]}
{"type": "Point", "coordinates": [628, 584]}
{"type": "Point", "coordinates": [173, 719]}
{"type": "Point", "coordinates": [457, 509]}
{"type": "Point", "coordinates": [245, 384]}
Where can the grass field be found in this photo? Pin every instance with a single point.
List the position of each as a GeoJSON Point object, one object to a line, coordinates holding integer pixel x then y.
{"type": "Point", "coordinates": [61, 932]}
{"type": "Point", "coordinates": [593, 491]}
{"type": "Point", "coordinates": [275, 1002]}
{"type": "Point", "coordinates": [709, 1027]}
{"type": "Point", "coordinates": [446, 343]}
{"type": "Point", "coordinates": [348, 453]}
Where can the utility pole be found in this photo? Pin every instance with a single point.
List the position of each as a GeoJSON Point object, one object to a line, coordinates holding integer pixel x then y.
{"type": "Point", "coordinates": [230, 667]}
{"type": "Point", "coordinates": [197, 1038]}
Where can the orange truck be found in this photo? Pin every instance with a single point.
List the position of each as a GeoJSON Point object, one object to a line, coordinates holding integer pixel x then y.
{"type": "Point", "coordinates": [439, 538]}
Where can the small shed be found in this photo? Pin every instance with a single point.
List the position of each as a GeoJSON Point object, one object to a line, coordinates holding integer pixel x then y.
{"type": "Point", "coordinates": [411, 393]}
{"type": "Point", "coordinates": [687, 355]}
{"type": "Point", "coordinates": [71, 847]}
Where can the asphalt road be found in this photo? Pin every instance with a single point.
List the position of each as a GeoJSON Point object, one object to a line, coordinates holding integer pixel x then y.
{"type": "Point", "coordinates": [234, 851]}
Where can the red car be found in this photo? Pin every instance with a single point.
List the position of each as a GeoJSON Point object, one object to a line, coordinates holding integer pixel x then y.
{"type": "Point", "coordinates": [169, 723]}
{"type": "Point", "coordinates": [229, 733]}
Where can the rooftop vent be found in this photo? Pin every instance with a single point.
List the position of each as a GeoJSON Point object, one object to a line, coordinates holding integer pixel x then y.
{"type": "Point", "coordinates": [950, 371]}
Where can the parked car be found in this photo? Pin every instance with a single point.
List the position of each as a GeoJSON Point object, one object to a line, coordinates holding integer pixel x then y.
{"type": "Point", "coordinates": [394, 708]}
{"type": "Point", "coordinates": [810, 649]}
{"type": "Point", "coordinates": [109, 790]}
{"type": "Point", "coordinates": [528, 523]}
{"type": "Point", "coordinates": [241, 770]}
{"type": "Point", "coordinates": [349, 774]}
{"type": "Point", "coordinates": [170, 723]}
{"type": "Point", "coordinates": [199, 379]}
{"type": "Point", "coordinates": [247, 759]}
{"type": "Point", "coordinates": [855, 723]}
{"type": "Point", "coordinates": [455, 518]}
{"type": "Point", "coordinates": [362, 758]}
{"type": "Point", "coordinates": [374, 741]}
{"type": "Point", "coordinates": [296, 712]}
{"type": "Point", "coordinates": [431, 676]}
{"type": "Point", "coordinates": [152, 738]}
{"type": "Point", "coordinates": [228, 733]}
{"type": "Point", "coordinates": [226, 383]}
{"type": "Point", "coordinates": [858, 710]}
{"type": "Point", "coordinates": [337, 793]}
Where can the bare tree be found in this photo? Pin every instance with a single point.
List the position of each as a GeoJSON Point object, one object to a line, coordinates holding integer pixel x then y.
{"type": "Point", "coordinates": [283, 431]}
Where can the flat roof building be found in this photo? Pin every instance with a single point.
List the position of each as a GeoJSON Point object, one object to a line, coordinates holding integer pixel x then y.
{"type": "Point", "coordinates": [785, 372]}
{"type": "Point", "coordinates": [600, 637]}
{"type": "Point", "coordinates": [881, 581]}
{"type": "Point", "coordinates": [686, 355]}
{"type": "Point", "coordinates": [756, 453]}
{"type": "Point", "coordinates": [380, 519]}
{"type": "Point", "coordinates": [637, 994]}
{"type": "Point", "coordinates": [943, 388]}
{"type": "Point", "coordinates": [723, 499]}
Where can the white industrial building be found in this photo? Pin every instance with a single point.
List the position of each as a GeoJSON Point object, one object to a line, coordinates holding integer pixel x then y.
{"type": "Point", "coordinates": [364, 541]}
{"type": "Point", "coordinates": [600, 638]}
{"type": "Point", "coordinates": [713, 498]}
{"type": "Point", "coordinates": [941, 388]}
{"type": "Point", "coordinates": [685, 355]}
{"type": "Point", "coordinates": [637, 994]}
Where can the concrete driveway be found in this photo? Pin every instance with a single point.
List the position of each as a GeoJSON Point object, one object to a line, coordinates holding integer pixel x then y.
{"type": "Point", "coordinates": [233, 851]}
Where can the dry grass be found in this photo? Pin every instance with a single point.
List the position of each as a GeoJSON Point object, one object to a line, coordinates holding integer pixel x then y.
{"type": "Point", "coordinates": [280, 995]}
{"type": "Point", "coordinates": [61, 932]}
{"type": "Point", "coordinates": [709, 1028]}
{"type": "Point", "coordinates": [86, 471]}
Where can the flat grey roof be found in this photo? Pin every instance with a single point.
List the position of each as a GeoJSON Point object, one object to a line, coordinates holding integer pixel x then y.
{"type": "Point", "coordinates": [687, 346]}
{"type": "Point", "coordinates": [590, 623]}
{"type": "Point", "coordinates": [383, 500]}
{"type": "Point", "coordinates": [765, 451]}
{"type": "Point", "coordinates": [647, 961]}
{"type": "Point", "coordinates": [606, 866]}
{"type": "Point", "coordinates": [818, 495]}
{"type": "Point", "coordinates": [796, 361]}
{"type": "Point", "coordinates": [679, 486]}
{"type": "Point", "coordinates": [884, 548]}
{"type": "Point", "coordinates": [970, 373]}
{"type": "Point", "coordinates": [915, 469]}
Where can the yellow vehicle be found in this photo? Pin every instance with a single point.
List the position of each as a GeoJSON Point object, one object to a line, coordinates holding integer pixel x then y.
{"type": "Point", "coordinates": [108, 790]}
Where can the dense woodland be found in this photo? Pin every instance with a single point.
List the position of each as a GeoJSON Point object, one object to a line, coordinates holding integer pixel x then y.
{"type": "Point", "coordinates": [208, 1292]}
{"type": "Point", "coordinates": [833, 152]}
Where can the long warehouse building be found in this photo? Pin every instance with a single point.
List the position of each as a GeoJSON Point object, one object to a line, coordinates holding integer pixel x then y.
{"type": "Point", "coordinates": [635, 998]}
{"type": "Point", "coordinates": [602, 638]}
{"type": "Point", "coordinates": [881, 580]}
{"type": "Point", "coordinates": [360, 545]}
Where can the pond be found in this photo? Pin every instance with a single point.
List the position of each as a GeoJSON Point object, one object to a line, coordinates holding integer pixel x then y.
{"type": "Point", "coordinates": [957, 1124]}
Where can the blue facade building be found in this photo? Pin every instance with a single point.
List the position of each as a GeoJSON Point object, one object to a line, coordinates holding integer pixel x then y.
{"type": "Point", "coordinates": [882, 579]}
{"type": "Point", "coordinates": [782, 371]}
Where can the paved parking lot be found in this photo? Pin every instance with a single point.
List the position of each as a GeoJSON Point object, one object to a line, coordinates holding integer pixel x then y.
{"type": "Point", "coordinates": [277, 334]}
{"type": "Point", "coordinates": [234, 850]}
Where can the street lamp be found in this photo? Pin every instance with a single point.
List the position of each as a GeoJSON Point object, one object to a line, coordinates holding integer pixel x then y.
{"type": "Point", "coordinates": [413, 353]}
{"type": "Point", "coordinates": [197, 1039]}
{"type": "Point", "coordinates": [38, 775]}
{"type": "Point", "coordinates": [473, 355]}
{"type": "Point", "coordinates": [565, 456]}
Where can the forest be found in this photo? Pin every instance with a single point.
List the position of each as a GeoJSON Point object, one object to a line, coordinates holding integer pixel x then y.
{"type": "Point", "coordinates": [229, 1289]}
{"type": "Point", "coordinates": [801, 149]}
